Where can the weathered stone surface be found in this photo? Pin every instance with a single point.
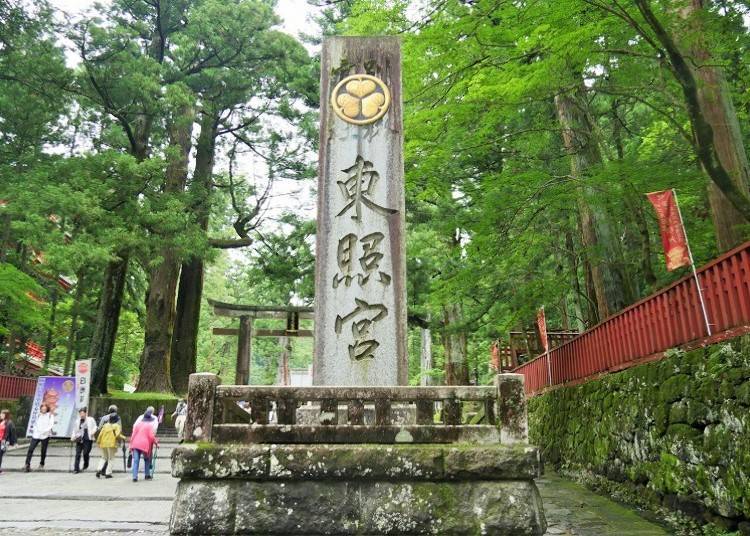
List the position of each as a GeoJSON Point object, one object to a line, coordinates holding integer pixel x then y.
{"type": "Point", "coordinates": [360, 276]}
{"type": "Point", "coordinates": [511, 408]}
{"type": "Point", "coordinates": [201, 400]}
{"type": "Point", "coordinates": [353, 507]}
{"type": "Point", "coordinates": [361, 462]}
{"type": "Point", "coordinates": [337, 434]}
{"type": "Point", "coordinates": [399, 414]}
{"type": "Point", "coordinates": [478, 462]}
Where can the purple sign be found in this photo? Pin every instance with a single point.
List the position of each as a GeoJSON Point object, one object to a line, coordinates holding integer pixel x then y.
{"type": "Point", "coordinates": [59, 393]}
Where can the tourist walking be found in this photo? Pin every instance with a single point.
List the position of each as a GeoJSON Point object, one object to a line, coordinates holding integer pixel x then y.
{"type": "Point", "coordinates": [107, 439]}
{"type": "Point", "coordinates": [40, 433]}
{"type": "Point", "coordinates": [180, 416]}
{"type": "Point", "coordinates": [110, 410]}
{"type": "Point", "coordinates": [7, 434]}
{"type": "Point", "coordinates": [142, 442]}
{"type": "Point", "coordinates": [83, 437]}
{"type": "Point", "coordinates": [154, 422]}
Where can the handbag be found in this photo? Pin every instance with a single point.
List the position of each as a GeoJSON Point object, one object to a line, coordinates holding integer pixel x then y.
{"type": "Point", "coordinates": [3, 446]}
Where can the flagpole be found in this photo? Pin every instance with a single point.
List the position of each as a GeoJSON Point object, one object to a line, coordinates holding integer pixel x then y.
{"type": "Point", "coordinates": [692, 265]}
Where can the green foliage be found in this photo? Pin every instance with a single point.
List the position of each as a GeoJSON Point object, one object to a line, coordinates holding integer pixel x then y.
{"type": "Point", "coordinates": [487, 172]}
{"type": "Point", "coordinates": [115, 395]}
{"type": "Point", "coordinates": [21, 312]}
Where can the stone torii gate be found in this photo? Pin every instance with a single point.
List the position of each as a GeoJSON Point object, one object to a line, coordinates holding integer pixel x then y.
{"type": "Point", "coordinates": [245, 333]}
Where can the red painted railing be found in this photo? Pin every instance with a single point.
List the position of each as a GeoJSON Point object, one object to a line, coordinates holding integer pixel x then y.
{"type": "Point", "coordinates": [15, 386]}
{"type": "Point", "coordinates": [664, 320]}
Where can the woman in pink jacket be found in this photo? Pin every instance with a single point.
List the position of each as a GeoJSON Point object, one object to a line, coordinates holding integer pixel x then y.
{"type": "Point", "coordinates": [142, 442]}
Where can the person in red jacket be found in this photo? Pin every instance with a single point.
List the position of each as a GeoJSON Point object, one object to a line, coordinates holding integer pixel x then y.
{"type": "Point", "coordinates": [7, 433]}
{"type": "Point", "coordinates": [142, 442]}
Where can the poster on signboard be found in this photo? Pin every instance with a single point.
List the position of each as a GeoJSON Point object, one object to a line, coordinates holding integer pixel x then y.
{"type": "Point", "coordinates": [59, 393]}
{"type": "Point", "coordinates": [83, 383]}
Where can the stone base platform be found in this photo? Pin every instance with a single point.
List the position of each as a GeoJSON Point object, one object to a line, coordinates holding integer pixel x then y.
{"type": "Point", "coordinates": [351, 489]}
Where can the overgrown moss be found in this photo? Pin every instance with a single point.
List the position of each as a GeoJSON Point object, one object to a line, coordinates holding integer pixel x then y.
{"type": "Point", "coordinates": [679, 426]}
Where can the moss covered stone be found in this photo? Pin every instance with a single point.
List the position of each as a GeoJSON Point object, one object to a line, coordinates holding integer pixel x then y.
{"type": "Point", "coordinates": [365, 462]}
{"type": "Point", "coordinates": [354, 508]}
{"type": "Point", "coordinates": [680, 426]}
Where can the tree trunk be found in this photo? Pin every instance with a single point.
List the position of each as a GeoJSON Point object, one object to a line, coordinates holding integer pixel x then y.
{"type": "Point", "coordinates": [425, 361]}
{"type": "Point", "coordinates": [641, 238]}
{"type": "Point", "coordinates": [704, 143]}
{"type": "Point", "coordinates": [107, 320]}
{"type": "Point", "coordinates": [187, 318]}
{"type": "Point", "coordinates": [582, 319]}
{"type": "Point", "coordinates": [454, 341]}
{"type": "Point", "coordinates": [597, 236]}
{"type": "Point", "coordinates": [8, 365]}
{"type": "Point", "coordinates": [717, 107]}
{"type": "Point", "coordinates": [155, 373]}
{"type": "Point", "coordinates": [73, 333]}
{"type": "Point", "coordinates": [48, 344]}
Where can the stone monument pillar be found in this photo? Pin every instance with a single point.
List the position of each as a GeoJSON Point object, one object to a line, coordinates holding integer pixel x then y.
{"type": "Point", "coordinates": [360, 279]}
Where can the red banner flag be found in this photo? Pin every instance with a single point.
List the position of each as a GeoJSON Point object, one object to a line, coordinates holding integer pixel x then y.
{"type": "Point", "coordinates": [672, 231]}
{"type": "Point", "coordinates": [541, 322]}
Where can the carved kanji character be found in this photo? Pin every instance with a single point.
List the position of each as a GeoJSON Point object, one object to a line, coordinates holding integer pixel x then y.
{"type": "Point", "coordinates": [359, 184]}
{"type": "Point", "coordinates": [370, 259]}
{"type": "Point", "coordinates": [364, 345]}
{"type": "Point", "coordinates": [344, 257]}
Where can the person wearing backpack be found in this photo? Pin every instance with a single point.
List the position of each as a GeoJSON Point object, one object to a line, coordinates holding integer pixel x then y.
{"type": "Point", "coordinates": [109, 434]}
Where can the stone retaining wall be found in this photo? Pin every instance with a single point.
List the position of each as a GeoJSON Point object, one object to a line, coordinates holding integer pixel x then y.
{"type": "Point", "coordinates": [452, 489]}
{"type": "Point", "coordinates": [677, 430]}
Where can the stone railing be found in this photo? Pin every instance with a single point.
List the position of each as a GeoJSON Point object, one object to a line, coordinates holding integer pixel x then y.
{"type": "Point", "coordinates": [484, 414]}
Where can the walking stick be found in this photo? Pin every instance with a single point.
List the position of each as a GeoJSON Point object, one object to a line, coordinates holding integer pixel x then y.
{"type": "Point", "coordinates": [124, 463]}
{"type": "Point", "coordinates": [153, 460]}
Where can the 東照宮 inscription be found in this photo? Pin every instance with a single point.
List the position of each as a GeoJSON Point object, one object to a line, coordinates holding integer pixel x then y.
{"type": "Point", "coordinates": [360, 299]}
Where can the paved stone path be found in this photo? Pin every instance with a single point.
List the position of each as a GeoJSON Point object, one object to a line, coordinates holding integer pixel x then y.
{"type": "Point", "coordinates": [571, 509]}
{"type": "Point", "coordinates": [55, 502]}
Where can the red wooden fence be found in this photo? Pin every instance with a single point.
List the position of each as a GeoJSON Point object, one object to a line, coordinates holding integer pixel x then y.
{"type": "Point", "coordinates": [15, 386]}
{"type": "Point", "coordinates": [667, 319]}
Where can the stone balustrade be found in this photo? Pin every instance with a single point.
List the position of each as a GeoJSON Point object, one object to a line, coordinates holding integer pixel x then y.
{"type": "Point", "coordinates": [445, 414]}
{"type": "Point", "coordinates": [356, 460]}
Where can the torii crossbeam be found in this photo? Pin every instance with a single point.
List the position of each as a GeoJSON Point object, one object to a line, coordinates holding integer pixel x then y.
{"type": "Point", "coordinates": [245, 333]}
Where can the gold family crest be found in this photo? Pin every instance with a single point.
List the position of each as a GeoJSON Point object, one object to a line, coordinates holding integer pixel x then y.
{"type": "Point", "coordinates": [360, 99]}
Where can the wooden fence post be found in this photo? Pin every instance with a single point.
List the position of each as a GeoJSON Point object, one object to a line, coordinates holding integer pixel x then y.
{"type": "Point", "coordinates": [201, 401]}
{"type": "Point", "coordinates": [511, 409]}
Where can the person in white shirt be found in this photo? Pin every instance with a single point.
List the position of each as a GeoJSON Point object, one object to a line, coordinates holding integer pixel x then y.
{"type": "Point", "coordinates": [41, 434]}
{"type": "Point", "coordinates": [83, 436]}
{"type": "Point", "coordinates": [180, 416]}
